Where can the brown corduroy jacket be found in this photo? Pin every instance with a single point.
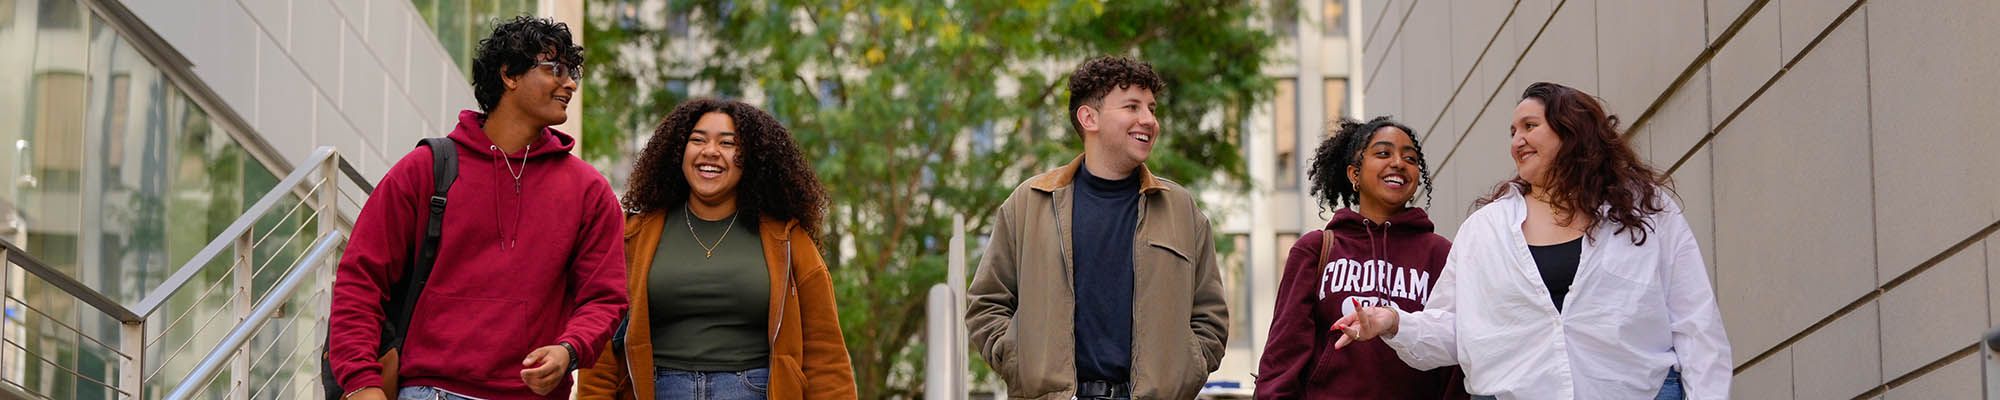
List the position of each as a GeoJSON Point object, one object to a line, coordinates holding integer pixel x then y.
{"type": "Point", "coordinates": [808, 357]}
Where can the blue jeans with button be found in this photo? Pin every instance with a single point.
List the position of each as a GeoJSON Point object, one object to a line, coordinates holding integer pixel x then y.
{"type": "Point", "coordinates": [1670, 390]}
{"type": "Point", "coordinates": [673, 384]}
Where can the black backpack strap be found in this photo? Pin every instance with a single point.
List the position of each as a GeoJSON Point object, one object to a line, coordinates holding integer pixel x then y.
{"type": "Point", "coordinates": [444, 170]}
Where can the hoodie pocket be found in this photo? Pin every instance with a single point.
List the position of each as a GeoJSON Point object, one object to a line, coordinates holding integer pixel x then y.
{"type": "Point", "coordinates": [470, 337]}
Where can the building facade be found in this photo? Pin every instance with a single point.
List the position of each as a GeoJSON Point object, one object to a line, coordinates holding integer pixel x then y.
{"type": "Point", "coordinates": [1835, 158]}
{"type": "Point", "coordinates": [134, 131]}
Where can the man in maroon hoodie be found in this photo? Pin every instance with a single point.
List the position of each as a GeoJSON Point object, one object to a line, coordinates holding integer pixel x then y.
{"type": "Point", "coordinates": [530, 272]}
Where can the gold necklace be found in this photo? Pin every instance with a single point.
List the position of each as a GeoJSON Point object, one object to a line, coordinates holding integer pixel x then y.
{"type": "Point", "coordinates": [705, 247]}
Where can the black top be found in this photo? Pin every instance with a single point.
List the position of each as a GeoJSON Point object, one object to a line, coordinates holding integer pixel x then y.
{"type": "Point", "coordinates": [1101, 232]}
{"type": "Point", "coordinates": [1558, 265]}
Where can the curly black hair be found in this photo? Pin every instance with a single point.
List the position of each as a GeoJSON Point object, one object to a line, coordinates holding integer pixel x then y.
{"type": "Point", "coordinates": [1097, 77]}
{"type": "Point", "coordinates": [514, 48]}
{"type": "Point", "coordinates": [777, 181]}
{"type": "Point", "coordinates": [1329, 164]}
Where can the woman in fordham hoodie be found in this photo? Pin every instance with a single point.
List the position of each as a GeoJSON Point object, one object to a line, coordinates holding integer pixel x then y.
{"type": "Point", "coordinates": [1577, 279]}
{"type": "Point", "coordinates": [1384, 254]}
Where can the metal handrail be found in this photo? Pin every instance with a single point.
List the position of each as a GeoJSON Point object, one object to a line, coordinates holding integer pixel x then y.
{"type": "Point", "coordinates": [226, 239]}
{"type": "Point", "coordinates": [212, 363]}
{"type": "Point", "coordinates": [68, 284]}
{"type": "Point", "coordinates": [321, 171]}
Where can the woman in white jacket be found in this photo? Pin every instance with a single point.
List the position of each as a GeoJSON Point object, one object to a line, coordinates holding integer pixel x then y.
{"type": "Point", "coordinates": [1577, 279]}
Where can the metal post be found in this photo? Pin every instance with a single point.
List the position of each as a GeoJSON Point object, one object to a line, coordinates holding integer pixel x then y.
{"type": "Point", "coordinates": [329, 193]}
{"type": "Point", "coordinates": [131, 368]}
{"type": "Point", "coordinates": [6, 269]}
{"type": "Point", "coordinates": [955, 260]}
{"type": "Point", "coordinates": [940, 376]}
{"type": "Point", "coordinates": [239, 367]}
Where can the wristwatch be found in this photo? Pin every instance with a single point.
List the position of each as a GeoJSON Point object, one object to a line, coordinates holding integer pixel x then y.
{"type": "Point", "coordinates": [572, 356]}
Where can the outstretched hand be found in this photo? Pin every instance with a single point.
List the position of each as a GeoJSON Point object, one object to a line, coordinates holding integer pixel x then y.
{"type": "Point", "coordinates": [1364, 324]}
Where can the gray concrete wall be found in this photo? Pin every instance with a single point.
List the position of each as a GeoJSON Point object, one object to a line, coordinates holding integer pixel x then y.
{"type": "Point", "coordinates": [1835, 157]}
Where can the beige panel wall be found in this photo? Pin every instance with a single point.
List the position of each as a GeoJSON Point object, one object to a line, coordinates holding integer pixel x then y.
{"type": "Point", "coordinates": [1834, 157]}
{"type": "Point", "coordinates": [365, 76]}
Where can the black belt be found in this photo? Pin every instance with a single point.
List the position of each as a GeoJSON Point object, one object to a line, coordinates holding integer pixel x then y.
{"type": "Point", "coordinates": [1102, 389]}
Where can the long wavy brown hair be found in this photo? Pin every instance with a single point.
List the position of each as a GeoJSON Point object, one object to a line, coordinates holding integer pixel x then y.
{"type": "Point", "coordinates": [1594, 167]}
{"type": "Point", "coordinates": [777, 181]}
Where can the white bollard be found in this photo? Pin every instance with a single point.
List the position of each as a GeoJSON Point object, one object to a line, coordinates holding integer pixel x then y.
{"type": "Point", "coordinates": [941, 350]}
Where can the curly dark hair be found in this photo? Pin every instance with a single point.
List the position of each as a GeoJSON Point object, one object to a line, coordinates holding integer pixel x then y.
{"type": "Point", "coordinates": [1595, 166]}
{"type": "Point", "coordinates": [514, 48]}
{"type": "Point", "coordinates": [777, 181]}
{"type": "Point", "coordinates": [1329, 164]}
{"type": "Point", "coordinates": [1097, 77]}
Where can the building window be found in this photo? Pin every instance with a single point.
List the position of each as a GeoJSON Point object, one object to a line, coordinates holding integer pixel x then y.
{"type": "Point", "coordinates": [1283, 247]}
{"type": "Point", "coordinates": [1285, 135]}
{"type": "Point", "coordinates": [460, 24]}
{"type": "Point", "coordinates": [58, 131]}
{"type": "Point", "coordinates": [1333, 18]}
{"type": "Point", "coordinates": [1285, 18]}
{"type": "Point", "coordinates": [1336, 103]}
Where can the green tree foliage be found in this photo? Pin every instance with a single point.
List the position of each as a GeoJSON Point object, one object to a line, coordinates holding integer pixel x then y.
{"type": "Point", "coordinates": [914, 111]}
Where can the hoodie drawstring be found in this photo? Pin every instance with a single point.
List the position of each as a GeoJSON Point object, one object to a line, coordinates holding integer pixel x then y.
{"type": "Point", "coordinates": [511, 241]}
{"type": "Point", "coordinates": [1373, 252]}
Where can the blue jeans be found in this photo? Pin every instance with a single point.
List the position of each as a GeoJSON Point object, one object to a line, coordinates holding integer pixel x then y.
{"type": "Point", "coordinates": [673, 384]}
{"type": "Point", "coordinates": [1670, 390]}
{"type": "Point", "coordinates": [427, 393]}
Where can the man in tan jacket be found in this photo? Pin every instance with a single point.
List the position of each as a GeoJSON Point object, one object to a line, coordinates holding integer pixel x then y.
{"type": "Point", "coordinates": [1099, 280]}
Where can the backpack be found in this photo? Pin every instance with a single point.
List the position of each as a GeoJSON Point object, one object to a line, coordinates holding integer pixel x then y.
{"type": "Point", "coordinates": [403, 300]}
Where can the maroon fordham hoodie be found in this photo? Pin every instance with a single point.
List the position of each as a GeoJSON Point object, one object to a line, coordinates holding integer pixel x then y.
{"type": "Point", "coordinates": [1392, 263]}
{"type": "Point", "coordinates": [516, 269]}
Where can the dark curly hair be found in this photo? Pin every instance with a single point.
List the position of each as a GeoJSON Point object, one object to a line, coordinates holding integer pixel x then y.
{"type": "Point", "coordinates": [514, 48]}
{"type": "Point", "coordinates": [1329, 164]}
{"type": "Point", "coordinates": [777, 181]}
{"type": "Point", "coordinates": [1595, 166]}
{"type": "Point", "coordinates": [1097, 77]}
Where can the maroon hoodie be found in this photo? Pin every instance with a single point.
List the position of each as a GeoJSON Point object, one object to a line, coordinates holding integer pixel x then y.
{"type": "Point", "coordinates": [488, 303]}
{"type": "Point", "coordinates": [1378, 263]}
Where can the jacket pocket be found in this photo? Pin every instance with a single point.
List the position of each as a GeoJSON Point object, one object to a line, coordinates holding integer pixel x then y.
{"type": "Point", "coordinates": [1173, 268]}
{"type": "Point", "coordinates": [1197, 369]}
{"type": "Point", "coordinates": [1010, 364]}
{"type": "Point", "coordinates": [786, 376]}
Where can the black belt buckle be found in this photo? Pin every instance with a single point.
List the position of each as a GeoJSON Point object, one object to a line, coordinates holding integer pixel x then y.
{"type": "Point", "coordinates": [1103, 389]}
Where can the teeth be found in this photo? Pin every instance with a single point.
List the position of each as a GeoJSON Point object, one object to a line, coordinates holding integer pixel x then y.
{"type": "Point", "coordinates": [1143, 138]}
{"type": "Point", "coordinates": [708, 168]}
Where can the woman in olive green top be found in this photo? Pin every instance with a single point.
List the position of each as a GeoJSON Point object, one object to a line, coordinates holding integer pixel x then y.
{"type": "Point", "coordinates": [729, 297]}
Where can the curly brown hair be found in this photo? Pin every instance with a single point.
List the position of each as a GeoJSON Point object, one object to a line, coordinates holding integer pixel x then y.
{"type": "Point", "coordinates": [1594, 166]}
{"type": "Point", "coordinates": [1097, 77]}
{"type": "Point", "coordinates": [777, 181]}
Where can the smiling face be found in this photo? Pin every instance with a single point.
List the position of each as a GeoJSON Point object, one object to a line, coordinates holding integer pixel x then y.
{"type": "Point", "coordinates": [540, 93]}
{"type": "Point", "coordinates": [709, 162]}
{"type": "Point", "coordinates": [1535, 144]}
{"type": "Point", "coordinates": [1387, 169]}
{"type": "Point", "coordinates": [1122, 129]}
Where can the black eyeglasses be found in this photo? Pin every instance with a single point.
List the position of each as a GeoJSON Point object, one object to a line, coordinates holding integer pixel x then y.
{"type": "Point", "coordinates": [575, 73]}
